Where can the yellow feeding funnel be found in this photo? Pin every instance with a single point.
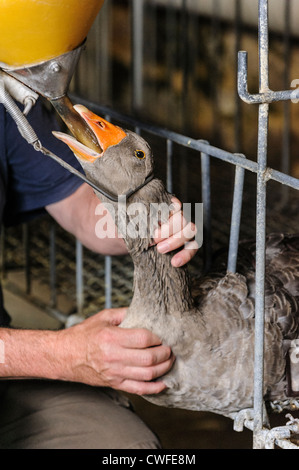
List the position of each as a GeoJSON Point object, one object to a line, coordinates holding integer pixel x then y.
{"type": "Point", "coordinates": [33, 31]}
{"type": "Point", "coordinates": [40, 45]}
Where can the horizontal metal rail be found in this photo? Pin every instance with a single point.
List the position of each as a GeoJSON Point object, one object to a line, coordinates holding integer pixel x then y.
{"type": "Point", "coordinates": [194, 144]}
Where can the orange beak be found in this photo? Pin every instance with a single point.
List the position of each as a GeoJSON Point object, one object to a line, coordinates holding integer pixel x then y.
{"type": "Point", "coordinates": [106, 133]}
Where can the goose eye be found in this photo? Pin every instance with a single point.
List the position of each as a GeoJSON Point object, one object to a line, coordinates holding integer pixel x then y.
{"type": "Point", "coordinates": [140, 154]}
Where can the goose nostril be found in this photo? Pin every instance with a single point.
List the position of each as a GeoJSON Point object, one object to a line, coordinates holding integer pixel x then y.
{"type": "Point", "coordinates": [101, 124]}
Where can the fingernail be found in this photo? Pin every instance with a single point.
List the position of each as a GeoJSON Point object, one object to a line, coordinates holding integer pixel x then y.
{"type": "Point", "coordinates": [163, 247]}
{"type": "Point", "coordinates": [175, 206]}
{"type": "Point", "coordinates": [177, 262]}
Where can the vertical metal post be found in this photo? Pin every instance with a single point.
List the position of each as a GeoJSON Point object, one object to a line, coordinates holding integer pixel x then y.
{"type": "Point", "coordinates": [215, 42]}
{"type": "Point", "coordinates": [206, 199]}
{"type": "Point", "coordinates": [137, 52]}
{"type": "Point", "coordinates": [261, 223]}
{"type": "Point", "coordinates": [285, 164]}
{"type": "Point", "coordinates": [171, 55]}
{"type": "Point", "coordinates": [236, 220]}
{"type": "Point", "coordinates": [184, 51]}
{"type": "Point", "coordinates": [169, 184]}
{"type": "Point", "coordinates": [238, 114]}
{"type": "Point", "coordinates": [102, 67]}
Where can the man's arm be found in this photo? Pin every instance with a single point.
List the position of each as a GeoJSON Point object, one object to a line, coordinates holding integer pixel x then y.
{"type": "Point", "coordinates": [96, 352]}
{"type": "Point", "coordinates": [77, 214]}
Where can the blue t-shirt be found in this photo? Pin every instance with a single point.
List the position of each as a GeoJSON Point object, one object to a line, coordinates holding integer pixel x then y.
{"type": "Point", "coordinates": [30, 180]}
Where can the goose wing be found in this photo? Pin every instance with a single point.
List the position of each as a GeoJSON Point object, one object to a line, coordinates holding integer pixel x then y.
{"type": "Point", "coordinates": [234, 294]}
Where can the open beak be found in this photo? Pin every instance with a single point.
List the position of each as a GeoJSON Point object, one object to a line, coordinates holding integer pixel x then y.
{"type": "Point", "coordinates": [106, 133]}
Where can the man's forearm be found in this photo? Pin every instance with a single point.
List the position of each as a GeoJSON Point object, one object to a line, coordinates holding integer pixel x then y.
{"type": "Point", "coordinates": [29, 354]}
{"type": "Point", "coordinates": [95, 352]}
{"type": "Point", "coordinates": [79, 215]}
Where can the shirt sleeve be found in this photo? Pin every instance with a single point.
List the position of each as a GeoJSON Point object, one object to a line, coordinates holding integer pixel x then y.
{"type": "Point", "coordinates": [34, 179]}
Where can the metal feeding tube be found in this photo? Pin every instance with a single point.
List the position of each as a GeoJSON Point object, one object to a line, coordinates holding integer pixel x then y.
{"type": "Point", "coordinates": [29, 134]}
{"type": "Point", "coordinates": [75, 122]}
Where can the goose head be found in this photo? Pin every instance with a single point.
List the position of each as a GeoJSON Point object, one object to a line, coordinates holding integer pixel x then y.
{"type": "Point", "coordinates": [125, 160]}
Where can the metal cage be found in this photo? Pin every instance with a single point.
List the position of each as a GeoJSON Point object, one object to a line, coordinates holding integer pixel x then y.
{"type": "Point", "coordinates": [171, 143]}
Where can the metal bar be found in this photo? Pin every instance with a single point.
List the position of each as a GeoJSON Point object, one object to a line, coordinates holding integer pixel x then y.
{"type": "Point", "coordinates": [282, 178]}
{"type": "Point", "coordinates": [215, 67]}
{"type": "Point", "coordinates": [263, 36]}
{"type": "Point", "coordinates": [137, 53]}
{"type": "Point", "coordinates": [103, 67]}
{"type": "Point", "coordinates": [238, 103]}
{"type": "Point", "coordinates": [266, 95]}
{"type": "Point", "coordinates": [285, 444]}
{"type": "Point", "coordinates": [285, 163]}
{"type": "Point", "coordinates": [260, 268]}
{"type": "Point", "coordinates": [236, 220]}
{"type": "Point", "coordinates": [169, 151]}
{"type": "Point", "coordinates": [198, 145]}
{"type": "Point", "coordinates": [261, 226]}
{"type": "Point", "coordinates": [171, 54]}
{"type": "Point", "coordinates": [206, 199]}
{"type": "Point", "coordinates": [184, 62]}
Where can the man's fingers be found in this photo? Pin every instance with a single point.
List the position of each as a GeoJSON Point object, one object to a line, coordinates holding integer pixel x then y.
{"type": "Point", "coordinates": [176, 205]}
{"type": "Point", "coordinates": [112, 316]}
{"type": "Point", "coordinates": [142, 388]}
{"type": "Point", "coordinates": [178, 239]}
{"type": "Point", "coordinates": [136, 370]}
{"type": "Point", "coordinates": [185, 255]}
{"type": "Point", "coordinates": [140, 340]}
{"type": "Point", "coordinates": [149, 357]}
{"type": "Point", "coordinates": [175, 224]}
{"type": "Point", "coordinates": [142, 380]}
{"type": "Point", "coordinates": [147, 374]}
{"type": "Point", "coordinates": [137, 338]}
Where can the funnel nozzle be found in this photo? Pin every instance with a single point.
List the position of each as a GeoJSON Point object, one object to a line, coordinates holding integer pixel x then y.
{"type": "Point", "coordinates": [75, 123]}
{"type": "Point", "coordinates": [50, 78]}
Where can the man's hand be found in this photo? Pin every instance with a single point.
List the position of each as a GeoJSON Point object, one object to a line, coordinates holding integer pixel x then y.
{"type": "Point", "coordinates": [78, 214]}
{"type": "Point", "coordinates": [98, 352]}
{"type": "Point", "coordinates": [175, 234]}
